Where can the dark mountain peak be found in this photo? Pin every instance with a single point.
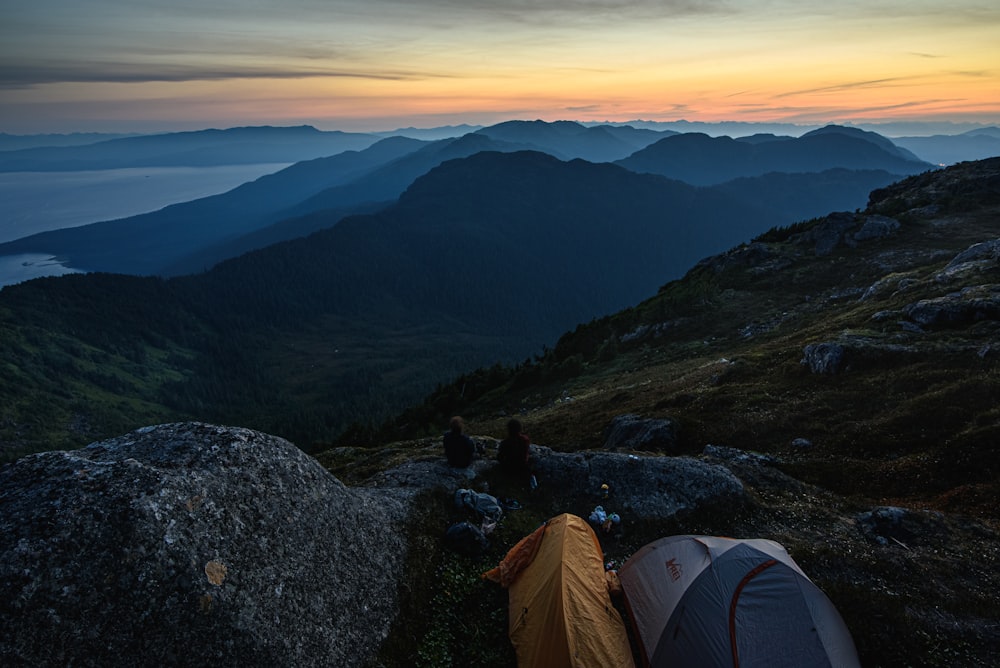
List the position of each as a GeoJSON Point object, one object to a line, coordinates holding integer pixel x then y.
{"type": "Point", "coordinates": [763, 137]}
{"type": "Point", "coordinates": [469, 143]}
{"type": "Point", "coordinates": [991, 131]}
{"type": "Point", "coordinates": [875, 138]}
{"type": "Point", "coordinates": [568, 139]}
{"type": "Point", "coordinates": [702, 160]}
{"type": "Point", "coordinates": [532, 130]}
{"type": "Point", "coordinates": [856, 134]}
{"type": "Point", "coordinates": [839, 129]}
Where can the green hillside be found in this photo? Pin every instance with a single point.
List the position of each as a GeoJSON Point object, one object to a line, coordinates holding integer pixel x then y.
{"type": "Point", "coordinates": [484, 259]}
{"type": "Point", "coordinates": [898, 411]}
{"type": "Point", "coordinates": [913, 410]}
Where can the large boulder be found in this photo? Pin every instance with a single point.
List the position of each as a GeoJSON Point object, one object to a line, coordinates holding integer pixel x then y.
{"type": "Point", "coordinates": [827, 234]}
{"type": "Point", "coordinates": [644, 488]}
{"type": "Point", "coordinates": [834, 357]}
{"type": "Point", "coordinates": [631, 432]}
{"type": "Point", "coordinates": [877, 227]}
{"type": "Point", "coordinates": [976, 258]}
{"type": "Point", "coordinates": [191, 544]}
{"type": "Point", "coordinates": [962, 308]}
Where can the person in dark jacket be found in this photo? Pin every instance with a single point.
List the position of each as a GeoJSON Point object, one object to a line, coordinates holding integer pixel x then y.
{"type": "Point", "coordinates": [513, 450]}
{"type": "Point", "coordinates": [458, 448]}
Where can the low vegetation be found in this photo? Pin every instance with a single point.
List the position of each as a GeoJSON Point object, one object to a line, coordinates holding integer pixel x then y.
{"type": "Point", "coordinates": [907, 419]}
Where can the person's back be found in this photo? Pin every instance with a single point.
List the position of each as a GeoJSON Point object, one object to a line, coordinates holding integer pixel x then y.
{"type": "Point", "coordinates": [512, 452]}
{"type": "Point", "coordinates": [458, 448]}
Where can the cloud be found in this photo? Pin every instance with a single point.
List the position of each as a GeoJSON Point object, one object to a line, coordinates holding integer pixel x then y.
{"type": "Point", "coordinates": [849, 85]}
{"type": "Point", "coordinates": [108, 72]}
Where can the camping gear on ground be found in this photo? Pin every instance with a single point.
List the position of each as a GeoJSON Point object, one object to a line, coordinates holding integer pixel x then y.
{"type": "Point", "coordinates": [466, 538]}
{"type": "Point", "coordinates": [603, 519]}
{"type": "Point", "coordinates": [710, 601]}
{"type": "Point", "coordinates": [560, 613]}
{"type": "Point", "coordinates": [509, 503]}
{"type": "Point", "coordinates": [483, 504]}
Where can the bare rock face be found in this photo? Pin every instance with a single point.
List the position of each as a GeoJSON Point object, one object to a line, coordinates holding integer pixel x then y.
{"type": "Point", "coordinates": [962, 308]}
{"type": "Point", "coordinates": [646, 488]}
{"type": "Point", "coordinates": [631, 432]}
{"type": "Point", "coordinates": [195, 544]}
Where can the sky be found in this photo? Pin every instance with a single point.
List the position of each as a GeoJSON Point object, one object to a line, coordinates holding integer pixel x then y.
{"type": "Point", "coordinates": [153, 65]}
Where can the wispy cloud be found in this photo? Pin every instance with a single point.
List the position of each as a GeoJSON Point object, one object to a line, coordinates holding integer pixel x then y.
{"type": "Point", "coordinates": [95, 72]}
{"type": "Point", "coordinates": [849, 85]}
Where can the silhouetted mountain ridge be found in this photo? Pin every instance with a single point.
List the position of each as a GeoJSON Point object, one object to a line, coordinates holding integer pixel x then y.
{"type": "Point", "coordinates": [197, 148]}
{"type": "Point", "coordinates": [567, 139]}
{"type": "Point", "coordinates": [703, 160]}
{"type": "Point", "coordinates": [483, 258]}
{"type": "Point", "coordinates": [153, 242]}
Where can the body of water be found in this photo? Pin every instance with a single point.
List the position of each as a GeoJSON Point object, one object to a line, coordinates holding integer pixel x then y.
{"type": "Point", "coordinates": [32, 202]}
{"type": "Point", "coordinates": [18, 268]}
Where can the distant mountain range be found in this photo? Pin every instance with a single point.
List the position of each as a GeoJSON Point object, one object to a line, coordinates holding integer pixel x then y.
{"type": "Point", "coordinates": [702, 160]}
{"type": "Point", "coordinates": [949, 149]}
{"type": "Point", "coordinates": [11, 142]}
{"type": "Point", "coordinates": [311, 195]}
{"type": "Point", "coordinates": [201, 148]}
{"type": "Point", "coordinates": [484, 258]}
{"type": "Point", "coordinates": [566, 140]}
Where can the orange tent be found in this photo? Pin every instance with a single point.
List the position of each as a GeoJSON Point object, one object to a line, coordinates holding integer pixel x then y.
{"type": "Point", "coordinates": [560, 611]}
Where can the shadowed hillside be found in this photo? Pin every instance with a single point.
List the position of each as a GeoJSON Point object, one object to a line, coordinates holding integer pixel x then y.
{"type": "Point", "coordinates": [835, 380]}
{"type": "Point", "coordinates": [845, 369]}
{"type": "Point", "coordinates": [484, 259]}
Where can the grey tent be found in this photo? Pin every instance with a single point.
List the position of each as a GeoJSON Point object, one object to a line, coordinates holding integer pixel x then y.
{"type": "Point", "coordinates": [710, 601]}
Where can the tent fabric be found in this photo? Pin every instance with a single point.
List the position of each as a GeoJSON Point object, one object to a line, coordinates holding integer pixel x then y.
{"type": "Point", "coordinates": [518, 558]}
{"type": "Point", "coordinates": [705, 600]}
{"type": "Point", "coordinates": [560, 612]}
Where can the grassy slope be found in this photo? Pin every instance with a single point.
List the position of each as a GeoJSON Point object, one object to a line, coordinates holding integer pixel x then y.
{"type": "Point", "coordinates": [916, 428]}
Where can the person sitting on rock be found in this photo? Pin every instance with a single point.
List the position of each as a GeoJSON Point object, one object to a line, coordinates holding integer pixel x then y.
{"type": "Point", "coordinates": [513, 451]}
{"type": "Point", "coordinates": [458, 448]}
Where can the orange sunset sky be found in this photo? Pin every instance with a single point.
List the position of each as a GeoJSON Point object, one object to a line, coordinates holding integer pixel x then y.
{"type": "Point", "coordinates": [140, 65]}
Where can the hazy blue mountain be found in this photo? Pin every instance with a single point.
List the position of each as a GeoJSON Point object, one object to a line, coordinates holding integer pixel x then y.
{"type": "Point", "coordinates": [702, 160]}
{"type": "Point", "coordinates": [198, 149]}
{"type": "Point", "coordinates": [430, 134]}
{"type": "Point", "coordinates": [285, 229]}
{"type": "Point", "coordinates": [567, 139]}
{"type": "Point", "coordinates": [792, 197]}
{"type": "Point", "coordinates": [482, 259]}
{"type": "Point", "coordinates": [763, 137]}
{"type": "Point", "coordinates": [949, 149]}
{"type": "Point", "coordinates": [882, 142]}
{"type": "Point", "coordinates": [476, 237]}
{"type": "Point", "coordinates": [10, 142]}
{"type": "Point", "coordinates": [723, 128]}
{"type": "Point", "coordinates": [389, 181]}
{"type": "Point", "coordinates": [151, 242]}
{"type": "Point", "coordinates": [779, 198]}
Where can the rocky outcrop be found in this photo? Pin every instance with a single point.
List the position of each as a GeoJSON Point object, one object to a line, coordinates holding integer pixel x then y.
{"type": "Point", "coordinates": [193, 544]}
{"type": "Point", "coordinates": [891, 525]}
{"type": "Point", "coordinates": [876, 227]}
{"type": "Point", "coordinates": [975, 258]}
{"type": "Point", "coordinates": [834, 230]}
{"type": "Point", "coordinates": [824, 358]}
{"type": "Point", "coordinates": [643, 488]}
{"type": "Point", "coordinates": [969, 305]}
{"type": "Point", "coordinates": [832, 357]}
{"type": "Point", "coordinates": [827, 234]}
{"type": "Point", "coordinates": [631, 432]}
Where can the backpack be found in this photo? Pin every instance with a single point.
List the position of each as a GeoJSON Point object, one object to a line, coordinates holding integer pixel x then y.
{"type": "Point", "coordinates": [466, 538]}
